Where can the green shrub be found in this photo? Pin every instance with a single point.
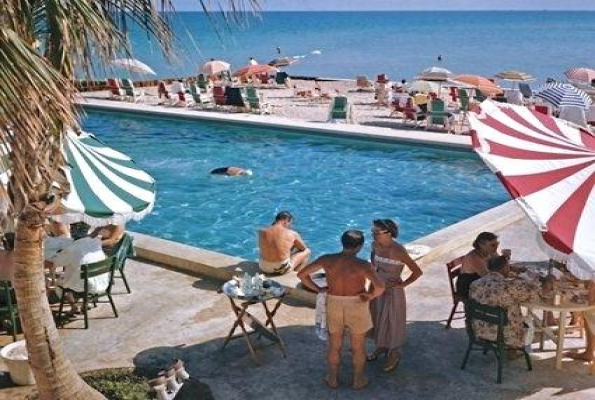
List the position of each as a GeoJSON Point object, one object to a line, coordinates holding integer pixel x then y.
{"type": "Point", "coordinates": [119, 383]}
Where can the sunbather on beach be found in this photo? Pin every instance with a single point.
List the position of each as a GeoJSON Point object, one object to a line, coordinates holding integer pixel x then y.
{"type": "Point", "coordinates": [231, 171]}
{"type": "Point", "coordinates": [280, 247]}
{"type": "Point", "coordinates": [347, 303]}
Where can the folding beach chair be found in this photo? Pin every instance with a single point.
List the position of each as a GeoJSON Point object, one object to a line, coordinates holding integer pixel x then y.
{"type": "Point", "coordinates": [219, 97]}
{"type": "Point", "coordinates": [282, 78]}
{"type": "Point", "coordinates": [437, 115]}
{"type": "Point", "coordinates": [130, 92]}
{"type": "Point", "coordinates": [115, 89]}
{"type": "Point", "coordinates": [339, 109]}
{"type": "Point", "coordinates": [254, 102]}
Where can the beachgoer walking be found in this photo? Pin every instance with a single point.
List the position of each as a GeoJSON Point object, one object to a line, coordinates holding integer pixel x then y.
{"type": "Point", "coordinates": [347, 303]}
{"type": "Point", "coordinates": [280, 247]}
{"type": "Point", "coordinates": [279, 51]}
{"type": "Point", "coordinates": [389, 310]}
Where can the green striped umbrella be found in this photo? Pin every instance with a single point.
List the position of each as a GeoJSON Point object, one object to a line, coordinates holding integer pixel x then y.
{"type": "Point", "coordinates": [106, 186]}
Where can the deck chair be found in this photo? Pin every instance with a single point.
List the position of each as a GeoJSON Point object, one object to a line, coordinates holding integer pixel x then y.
{"type": "Point", "coordinates": [253, 99]}
{"type": "Point", "coordinates": [183, 100]}
{"type": "Point", "coordinates": [282, 78]}
{"type": "Point", "coordinates": [115, 89]}
{"type": "Point", "coordinates": [200, 99]}
{"type": "Point", "coordinates": [107, 266]}
{"type": "Point", "coordinates": [234, 98]}
{"type": "Point", "coordinates": [453, 269]}
{"type": "Point", "coordinates": [543, 108]}
{"type": "Point", "coordinates": [410, 113]}
{"type": "Point", "coordinates": [437, 115]}
{"type": "Point", "coordinates": [397, 106]}
{"type": "Point", "coordinates": [526, 90]}
{"type": "Point", "coordinates": [494, 316]}
{"type": "Point", "coordinates": [8, 308]}
{"type": "Point", "coordinates": [479, 96]}
{"type": "Point", "coordinates": [363, 84]}
{"type": "Point", "coordinates": [573, 114]}
{"type": "Point", "coordinates": [130, 92]}
{"type": "Point", "coordinates": [201, 82]}
{"type": "Point", "coordinates": [122, 251]}
{"type": "Point", "coordinates": [163, 92]}
{"type": "Point", "coordinates": [465, 108]}
{"type": "Point", "coordinates": [339, 109]}
{"type": "Point", "coordinates": [219, 96]}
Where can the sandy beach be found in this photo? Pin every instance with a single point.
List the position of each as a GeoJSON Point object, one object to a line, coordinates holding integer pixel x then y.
{"type": "Point", "coordinates": [285, 103]}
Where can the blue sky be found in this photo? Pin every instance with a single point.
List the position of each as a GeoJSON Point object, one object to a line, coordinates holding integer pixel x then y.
{"type": "Point", "coordinates": [315, 5]}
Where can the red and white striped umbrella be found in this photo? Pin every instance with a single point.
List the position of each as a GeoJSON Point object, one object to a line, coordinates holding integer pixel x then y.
{"type": "Point", "coordinates": [548, 167]}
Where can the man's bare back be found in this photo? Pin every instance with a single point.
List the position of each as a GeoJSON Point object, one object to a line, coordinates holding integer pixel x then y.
{"type": "Point", "coordinates": [276, 242]}
{"type": "Point", "coordinates": [345, 275]}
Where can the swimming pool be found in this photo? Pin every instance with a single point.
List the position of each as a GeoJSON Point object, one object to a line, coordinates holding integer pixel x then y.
{"type": "Point", "coordinates": [328, 184]}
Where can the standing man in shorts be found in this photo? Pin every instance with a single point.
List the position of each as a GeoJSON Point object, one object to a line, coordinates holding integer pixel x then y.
{"type": "Point", "coordinates": [281, 248]}
{"type": "Point", "coordinates": [347, 303]}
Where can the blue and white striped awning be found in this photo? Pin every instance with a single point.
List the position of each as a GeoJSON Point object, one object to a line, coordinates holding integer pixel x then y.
{"type": "Point", "coordinates": [106, 186]}
{"type": "Point", "coordinates": [564, 95]}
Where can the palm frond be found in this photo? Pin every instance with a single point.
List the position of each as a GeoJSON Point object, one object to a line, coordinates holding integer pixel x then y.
{"type": "Point", "coordinates": [36, 104]}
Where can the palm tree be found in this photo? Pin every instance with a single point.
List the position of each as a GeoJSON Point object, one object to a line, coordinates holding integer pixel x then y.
{"type": "Point", "coordinates": [42, 44]}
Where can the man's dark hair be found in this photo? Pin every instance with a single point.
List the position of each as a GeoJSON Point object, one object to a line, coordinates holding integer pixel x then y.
{"type": "Point", "coordinates": [482, 238]}
{"type": "Point", "coordinates": [8, 241]}
{"type": "Point", "coordinates": [283, 216]}
{"type": "Point", "coordinates": [352, 239]}
{"type": "Point", "coordinates": [495, 264]}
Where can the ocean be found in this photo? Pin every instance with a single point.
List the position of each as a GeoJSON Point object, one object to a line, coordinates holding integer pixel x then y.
{"type": "Point", "coordinates": [401, 44]}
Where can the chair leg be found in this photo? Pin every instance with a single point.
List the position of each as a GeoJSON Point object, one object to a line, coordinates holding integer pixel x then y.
{"type": "Point", "coordinates": [467, 355]}
{"type": "Point", "coordinates": [109, 296]}
{"type": "Point", "coordinates": [13, 322]}
{"type": "Point", "coordinates": [86, 312]}
{"type": "Point", "coordinates": [61, 309]}
{"type": "Point", "coordinates": [528, 360]}
{"type": "Point", "coordinates": [452, 313]}
{"type": "Point", "coordinates": [500, 355]}
{"type": "Point", "coordinates": [125, 281]}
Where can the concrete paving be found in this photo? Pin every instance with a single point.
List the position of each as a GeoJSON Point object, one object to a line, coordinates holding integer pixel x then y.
{"type": "Point", "coordinates": [171, 314]}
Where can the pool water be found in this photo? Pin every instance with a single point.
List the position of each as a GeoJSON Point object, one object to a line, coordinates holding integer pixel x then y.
{"type": "Point", "coordinates": [328, 184]}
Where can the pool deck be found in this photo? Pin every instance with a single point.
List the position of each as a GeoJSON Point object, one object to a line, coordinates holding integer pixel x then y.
{"type": "Point", "coordinates": [352, 131]}
{"type": "Point", "coordinates": [172, 314]}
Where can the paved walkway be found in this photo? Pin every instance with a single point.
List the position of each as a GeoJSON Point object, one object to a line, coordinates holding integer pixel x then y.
{"type": "Point", "coordinates": [170, 314]}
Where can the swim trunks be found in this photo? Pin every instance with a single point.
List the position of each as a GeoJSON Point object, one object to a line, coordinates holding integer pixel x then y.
{"type": "Point", "coordinates": [348, 312]}
{"type": "Point", "coordinates": [275, 267]}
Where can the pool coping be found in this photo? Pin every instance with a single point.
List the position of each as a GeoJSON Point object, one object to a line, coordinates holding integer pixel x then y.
{"type": "Point", "coordinates": [222, 267]}
{"type": "Point", "coordinates": [339, 130]}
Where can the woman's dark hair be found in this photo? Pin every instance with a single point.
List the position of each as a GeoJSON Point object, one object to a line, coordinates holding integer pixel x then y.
{"type": "Point", "coordinates": [388, 225]}
{"type": "Point", "coordinates": [495, 264]}
{"type": "Point", "coordinates": [8, 241]}
{"type": "Point", "coordinates": [482, 238]}
{"type": "Point", "coordinates": [283, 216]}
{"type": "Point", "coordinates": [352, 239]}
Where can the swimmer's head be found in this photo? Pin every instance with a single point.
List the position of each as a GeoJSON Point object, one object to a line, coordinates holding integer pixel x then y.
{"type": "Point", "coordinates": [247, 172]}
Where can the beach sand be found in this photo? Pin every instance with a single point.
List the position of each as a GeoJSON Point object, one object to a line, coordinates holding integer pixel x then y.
{"type": "Point", "coordinates": [285, 103]}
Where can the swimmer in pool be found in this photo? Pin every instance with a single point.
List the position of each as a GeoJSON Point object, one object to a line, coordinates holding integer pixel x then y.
{"type": "Point", "coordinates": [231, 171]}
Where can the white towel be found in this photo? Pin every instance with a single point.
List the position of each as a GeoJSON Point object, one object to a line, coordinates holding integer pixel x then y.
{"type": "Point", "coordinates": [320, 317]}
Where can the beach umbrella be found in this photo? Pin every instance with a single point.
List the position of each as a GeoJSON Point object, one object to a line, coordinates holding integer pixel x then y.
{"type": "Point", "coordinates": [514, 77]}
{"type": "Point", "coordinates": [423, 87]}
{"type": "Point", "coordinates": [133, 65]}
{"type": "Point", "coordinates": [214, 67]}
{"type": "Point", "coordinates": [106, 186]}
{"type": "Point", "coordinates": [434, 74]}
{"type": "Point", "coordinates": [255, 70]}
{"type": "Point", "coordinates": [283, 61]}
{"type": "Point", "coordinates": [580, 75]}
{"type": "Point", "coordinates": [564, 94]}
{"type": "Point", "coordinates": [548, 167]}
{"type": "Point", "coordinates": [479, 82]}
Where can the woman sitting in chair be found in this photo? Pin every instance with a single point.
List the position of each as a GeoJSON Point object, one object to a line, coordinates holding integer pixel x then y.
{"type": "Point", "coordinates": [475, 263]}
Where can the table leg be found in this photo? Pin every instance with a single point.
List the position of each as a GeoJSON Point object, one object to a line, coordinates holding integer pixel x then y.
{"type": "Point", "coordinates": [543, 326]}
{"type": "Point", "coordinates": [236, 311]}
{"type": "Point", "coordinates": [561, 334]}
{"type": "Point", "coordinates": [273, 327]}
{"type": "Point", "coordinates": [247, 335]}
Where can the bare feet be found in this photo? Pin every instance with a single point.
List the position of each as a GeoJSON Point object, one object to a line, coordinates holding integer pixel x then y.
{"type": "Point", "coordinates": [584, 356]}
{"type": "Point", "coordinates": [360, 383]}
{"type": "Point", "coordinates": [331, 382]}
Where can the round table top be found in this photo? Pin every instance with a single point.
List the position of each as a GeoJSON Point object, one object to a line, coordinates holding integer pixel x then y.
{"type": "Point", "coordinates": [232, 289]}
{"type": "Point", "coordinates": [572, 307]}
